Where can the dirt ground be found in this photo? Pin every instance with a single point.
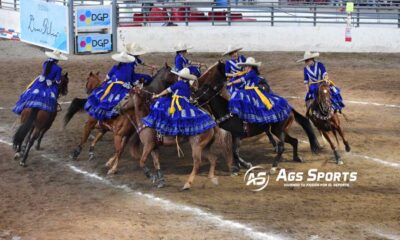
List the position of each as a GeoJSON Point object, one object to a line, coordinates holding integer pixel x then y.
{"type": "Point", "coordinates": [47, 200]}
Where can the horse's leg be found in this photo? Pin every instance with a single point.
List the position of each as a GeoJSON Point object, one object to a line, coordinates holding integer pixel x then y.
{"type": "Point", "coordinates": [196, 155]}
{"type": "Point", "coordinates": [34, 136]}
{"type": "Point", "coordinates": [94, 142]}
{"type": "Point", "coordinates": [213, 162]}
{"type": "Point", "coordinates": [43, 132]}
{"type": "Point", "coordinates": [159, 179]}
{"type": "Point", "coordinates": [294, 143]}
{"type": "Point", "coordinates": [237, 159]}
{"type": "Point", "coordinates": [89, 125]}
{"type": "Point", "coordinates": [333, 147]}
{"type": "Point", "coordinates": [271, 139]}
{"type": "Point", "coordinates": [147, 149]}
{"type": "Point", "coordinates": [119, 144]}
{"type": "Point", "coordinates": [278, 131]}
{"type": "Point", "coordinates": [341, 133]}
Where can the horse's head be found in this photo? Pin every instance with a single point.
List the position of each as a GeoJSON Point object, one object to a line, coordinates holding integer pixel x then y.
{"type": "Point", "coordinates": [136, 100]}
{"type": "Point", "coordinates": [63, 87]}
{"type": "Point", "coordinates": [92, 81]}
{"type": "Point", "coordinates": [212, 82]}
{"type": "Point", "coordinates": [162, 79]}
{"type": "Point", "coordinates": [324, 96]}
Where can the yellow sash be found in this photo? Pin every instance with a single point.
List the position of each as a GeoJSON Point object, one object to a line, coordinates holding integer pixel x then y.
{"type": "Point", "coordinates": [175, 99]}
{"type": "Point", "coordinates": [109, 89]}
{"type": "Point", "coordinates": [30, 84]}
{"type": "Point", "coordinates": [239, 74]}
{"type": "Point", "coordinates": [263, 98]}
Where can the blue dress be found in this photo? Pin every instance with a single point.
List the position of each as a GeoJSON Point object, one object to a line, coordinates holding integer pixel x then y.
{"type": "Point", "coordinates": [314, 74]}
{"type": "Point", "coordinates": [176, 116]}
{"type": "Point", "coordinates": [232, 67]}
{"type": "Point", "coordinates": [181, 62]}
{"type": "Point", "coordinates": [42, 93]}
{"type": "Point", "coordinates": [100, 104]}
{"type": "Point", "coordinates": [253, 105]}
{"type": "Point", "coordinates": [141, 76]}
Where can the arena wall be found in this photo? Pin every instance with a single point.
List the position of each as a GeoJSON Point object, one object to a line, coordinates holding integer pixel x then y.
{"type": "Point", "coordinates": [9, 23]}
{"type": "Point", "coordinates": [263, 38]}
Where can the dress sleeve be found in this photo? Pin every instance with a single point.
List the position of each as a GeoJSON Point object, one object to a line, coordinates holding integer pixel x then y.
{"type": "Point", "coordinates": [173, 88]}
{"type": "Point", "coordinates": [58, 75]}
{"type": "Point", "coordinates": [178, 63]}
{"type": "Point", "coordinates": [248, 76]}
{"type": "Point", "coordinates": [322, 69]}
{"type": "Point", "coordinates": [242, 58]}
{"type": "Point", "coordinates": [227, 67]}
{"type": "Point", "coordinates": [111, 72]}
{"type": "Point", "coordinates": [306, 78]}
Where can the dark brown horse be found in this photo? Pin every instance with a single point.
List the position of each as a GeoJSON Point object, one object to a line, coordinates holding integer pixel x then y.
{"type": "Point", "coordinates": [326, 120]}
{"type": "Point", "coordinates": [213, 93]}
{"type": "Point", "coordinates": [140, 100]}
{"type": "Point", "coordinates": [34, 124]}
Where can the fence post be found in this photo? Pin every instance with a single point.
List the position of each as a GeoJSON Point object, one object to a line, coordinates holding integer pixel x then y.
{"type": "Point", "coordinates": [272, 16]}
{"type": "Point", "coordinates": [114, 25]}
{"type": "Point", "coordinates": [229, 13]}
{"type": "Point", "coordinates": [358, 17]}
{"type": "Point", "coordinates": [186, 16]}
{"type": "Point", "coordinates": [15, 4]}
{"type": "Point", "coordinates": [315, 16]}
{"type": "Point", "coordinates": [398, 18]}
{"type": "Point", "coordinates": [71, 26]}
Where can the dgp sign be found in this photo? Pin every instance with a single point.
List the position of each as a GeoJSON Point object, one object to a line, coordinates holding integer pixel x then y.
{"type": "Point", "coordinates": [93, 43]}
{"type": "Point", "coordinates": [93, 17]}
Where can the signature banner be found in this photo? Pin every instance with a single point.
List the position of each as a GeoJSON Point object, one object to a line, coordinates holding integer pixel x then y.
{"type": "Point", "coordinates": [44, 24]}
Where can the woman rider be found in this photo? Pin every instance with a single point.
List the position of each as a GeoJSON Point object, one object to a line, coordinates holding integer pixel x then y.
{"type": "Point", "coordinates": [136, 50]}
{"type": "Point", "coordinates": [182, 62]}
{"type": "Point", "coordinates": [232, 70]}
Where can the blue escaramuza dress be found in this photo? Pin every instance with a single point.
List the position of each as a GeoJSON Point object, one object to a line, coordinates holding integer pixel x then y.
{"type": "Point", "coordinates": [231, 66]}
{"type": "Point", "coordinates": [312, 77]}
{"type": "Point", "coordinates": [181, 62]}
{"type": "Point", "coordinates": [42, 93]}
{"type": "Point", "coordinates": [254, 105]}
{"type": "Point", "coordinates": [100, 104]}
{"type": "Point", "coordinates": [176, 116]}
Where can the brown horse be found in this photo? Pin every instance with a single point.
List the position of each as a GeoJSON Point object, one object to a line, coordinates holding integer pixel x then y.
{"type": "Point", "coordinates": [212, 89]}
{"type": "Point", "coordinates": [34, 124]}
{"type": "Point", "coordinates": [139, 100]}
{"type": "Point", "coordinates": [326, 120]}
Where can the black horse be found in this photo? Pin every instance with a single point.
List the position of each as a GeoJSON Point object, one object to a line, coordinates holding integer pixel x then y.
{"type": "Point", "coordinates": [212, 88]}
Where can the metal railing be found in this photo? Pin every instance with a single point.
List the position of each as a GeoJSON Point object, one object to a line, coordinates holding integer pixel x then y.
{"type": "Point", "coordinates": [272, 13]}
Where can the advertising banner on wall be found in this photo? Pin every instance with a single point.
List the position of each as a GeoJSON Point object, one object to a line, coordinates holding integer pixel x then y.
{"type": "Point", "coordinates": [44, 24]}
{"type": "Point", "coordinates": [93, 17]}
{"type": "Point", "coordinates": [93, 43]}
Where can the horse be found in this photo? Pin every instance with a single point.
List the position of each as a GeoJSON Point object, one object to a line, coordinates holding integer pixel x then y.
{"type": "Point", "coordinates": [34, 124]}
{"type": "Point", "coordinates": [213, 93]}
{"type": "Point", "coordinates": [327, 120]}
{"type": "Point", "coordinates": [139, 100]}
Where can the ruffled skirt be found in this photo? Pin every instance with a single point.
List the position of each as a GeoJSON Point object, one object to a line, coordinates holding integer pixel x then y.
{"type": "Point", "coordinates": [189, 121]}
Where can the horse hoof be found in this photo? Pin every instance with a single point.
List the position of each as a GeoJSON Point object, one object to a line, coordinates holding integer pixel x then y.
{"type": "Point", "coordinates": [215, 181]}
{"type": "Point", "coordinates": [348, 148]}
{"type": "Point", "coordinates": [111, 171]}
{"type": "Point", "coordinates": [91, 156]}
{"type": "Point", "coordinates": [272, 171]}
{"type": "Point", "coordinates": [22, 164]}
{"type": "Point", "coordinates": [297, 159]}
{"type": "Point", "coordinates": [339, 162]}
{"type": "Point", "coordinates": [186, 187]}
{"type": "Point", "coordinates": [17, 156]}
{"type": "Point", "coordinates": [161, 184]}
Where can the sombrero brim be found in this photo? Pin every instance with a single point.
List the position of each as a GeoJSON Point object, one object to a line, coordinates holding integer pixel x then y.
{"type": "Point", "coordinates": [231, 51]}
{"type": "Point", "coordinates": [182, 49]}
{"type": "Point", "coordinates": [61, 57]}
{"type": "Point", "coordinates": [314, 55]}
{"type": "Point", "coordinates": [257, 64]}
{"type": "Point", "coordinates": [126, 59]}
{"type": "Point", "coordinates": [189, 77]}
{"type": "Point", "coordinates": [138, 53]}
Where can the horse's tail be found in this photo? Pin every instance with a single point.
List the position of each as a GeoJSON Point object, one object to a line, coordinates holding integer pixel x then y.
{"type": "Point", "coordinates": [76, 105]}
{"type": "Point", "coordinates": [21, 132]}
{"type": "Point", "coordinates": [306, 125]}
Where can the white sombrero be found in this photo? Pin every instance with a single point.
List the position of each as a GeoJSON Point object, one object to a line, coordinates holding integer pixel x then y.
{"type": "Point", "coordinates": [185, 73]}
{"type": "Point", "coordinates": [308, 55]}
{"type": "Point", "coordinates": [134, 49]}
{"type": "Point", "coordinates": [250, 62]}
{"type": "Point", "coordinates": [181, 47]}
{"type": "Point", "coordinates": [231, 49]}
{"type": "Point", "coordinates": [123, 57]}
{"type": "Point", "coordinates": [57, 55]}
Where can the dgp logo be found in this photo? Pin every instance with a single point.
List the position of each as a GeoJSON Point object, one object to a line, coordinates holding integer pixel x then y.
{"type": "Point", "coordinates": [88, 17]}
{"type": "Point", "coordinates": [256, 178]}
{"type": "Point", "coordinates": [86, 43]}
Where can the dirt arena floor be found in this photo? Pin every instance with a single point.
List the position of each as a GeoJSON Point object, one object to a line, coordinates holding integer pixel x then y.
{"type": "Point", "coordinates": [57, 198]}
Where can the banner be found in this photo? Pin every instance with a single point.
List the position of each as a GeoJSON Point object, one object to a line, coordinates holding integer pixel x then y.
{"type": "Point", "coordinates": [45, 24]}
{"type": "Point", "coordinates": [93, 17]}
{"type": "Point", "coordinates": [92, 43]}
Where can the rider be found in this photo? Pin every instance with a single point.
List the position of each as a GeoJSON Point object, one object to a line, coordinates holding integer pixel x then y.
{"type": "Point", "coordinates": [182, 62]}
{"type": "Point", "coordinates": [100, 104]}
{"type": "Point", "coordinates": [232, 70]}
{"type": "Point", "coordinates": [42, 92]}
{"type": "Point", "coordinates": [251, 103]}
{"type": "Point", "coordinates": [136, 50]}
{"type": "Point", "coordinates": [175, 115]}
{"type": "Point", "coordinates": [315, 73]}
